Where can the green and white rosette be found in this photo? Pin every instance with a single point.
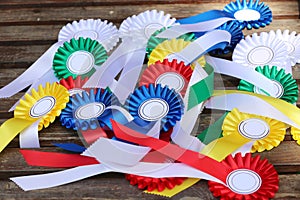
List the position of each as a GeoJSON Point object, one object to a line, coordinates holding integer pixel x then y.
{"type": "Point", "coordinates": [78, 57]}
{"type": "Point", "coordinates": [41, 71]}
{"type": "Point", "coordinates": [286, 86]}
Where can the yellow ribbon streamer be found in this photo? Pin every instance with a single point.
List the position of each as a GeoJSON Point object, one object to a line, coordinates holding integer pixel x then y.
{"type": "Point", "coordinates": [56, 96]}
{"type": "Point", "coordinates": [10, 129]}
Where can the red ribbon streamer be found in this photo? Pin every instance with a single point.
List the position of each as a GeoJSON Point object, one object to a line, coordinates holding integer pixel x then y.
{"type": "Point", "coordinates": [53, 159]}
{"type": "Point", "coordinates": [191, 158]}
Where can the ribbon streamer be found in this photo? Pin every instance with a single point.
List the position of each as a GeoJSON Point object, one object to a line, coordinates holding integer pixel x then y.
{"type": "Point", "coordinates": [41, 71]}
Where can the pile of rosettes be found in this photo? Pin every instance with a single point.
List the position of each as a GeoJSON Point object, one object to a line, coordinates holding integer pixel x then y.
{"type": "Point", "coordinates": [138, 119]}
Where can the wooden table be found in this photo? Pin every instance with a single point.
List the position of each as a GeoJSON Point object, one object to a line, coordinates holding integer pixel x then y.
{"type": "Point", "coordinates": [29, 27]}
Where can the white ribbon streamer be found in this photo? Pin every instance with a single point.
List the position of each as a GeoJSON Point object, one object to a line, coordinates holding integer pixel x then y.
{"type": "Point", "coordinates": [176, 31]}
{"type": "Point", "coordinates": [230, 68]}
{"type": "Point", "coordinates": [241, 102]}
{"type": "Point", "coordinates": [29, 138]}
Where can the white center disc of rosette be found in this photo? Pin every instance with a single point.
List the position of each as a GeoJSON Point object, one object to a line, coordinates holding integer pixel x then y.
{"type": "Point", "coordinates": [171, 79]}
{"type": "Point", "coordinates": [247, 15]}
{"type": "Point", "coordinates": [243, 181]}
{"type": "Point", "coordinates": [75, 91]}
{"type": "Point", "coordinates": [289, 47]}
{"type": "Point", "coordinates": [42, 106]}
{"type": "Point", "coordinates": [89, 111]}
{"type": "Point", "coordinates": [278, 90]}
{"type": "Point", "coordinates": [153, 109]}
{"type": "Point", "coordinates": [151, 28]}
{"type": "Point", "coordinates": [86, 34]}
{"type": "Point", "coordinates": [261, 55]}
{"type": "Point", "coordinates": [254, 128]}
{"type": "Point", "coordinates": [80, 62]}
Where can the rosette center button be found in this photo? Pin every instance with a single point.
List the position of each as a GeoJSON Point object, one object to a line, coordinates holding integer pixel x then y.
{"type": "Point", "coordinates": [244, 181]}
{"type": "Point", "coordinates": [80, 62]}
{"type": "Point", "coordinates": [153, 109]}
{"type": "Point", "coordinates": [247, 15]}
{"type": "Point", "coordinates": [261, 55]}
{"type": "Point", "coordinates": [254, 128]}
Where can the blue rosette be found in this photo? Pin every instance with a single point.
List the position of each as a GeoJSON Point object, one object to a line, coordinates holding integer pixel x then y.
{"type": "Point", "coordinates": [88, 110]}
{"type": "Point", "coordinates": [252, 14]}
{"type": "Point", "coordinates": [233, 27]}
{"type": "Point", "coordinates": [152, 103]}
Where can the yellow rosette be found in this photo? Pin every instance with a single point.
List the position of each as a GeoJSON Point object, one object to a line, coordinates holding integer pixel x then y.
{"type": "Point", "coordinates": [295, 132]}
{"type": "Point", "coordinates": [266, 132]}
{"type": "Point", "coordinates": [169, 47]}
{"type": "Point", "coordinates": [43, 105]}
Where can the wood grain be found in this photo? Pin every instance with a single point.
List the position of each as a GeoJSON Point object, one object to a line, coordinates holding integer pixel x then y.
{"type": "Point", "coordinates": [28, 28]}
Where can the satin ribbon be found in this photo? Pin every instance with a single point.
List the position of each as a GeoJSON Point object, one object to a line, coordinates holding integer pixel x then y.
{"type": "Point", "coordinates": [230, 68]}
{"type": "Point", "coordinates": [264, 105]}
{"type": "Point", "coordinates": [41, 70]}
{"type": "Point", "coordinates": [200, 23]}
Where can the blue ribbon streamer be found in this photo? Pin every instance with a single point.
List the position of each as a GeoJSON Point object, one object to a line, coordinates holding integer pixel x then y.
{"type": "Point", "coordinates": [206, 16]}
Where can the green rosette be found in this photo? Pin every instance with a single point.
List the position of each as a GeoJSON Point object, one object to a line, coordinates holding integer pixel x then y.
{"type": "Point", "coordinates": [284, 82]}
{"type": "Point", "coordinates": [78, 57]}
{"type": "Point", "coordinates": [154, 41]}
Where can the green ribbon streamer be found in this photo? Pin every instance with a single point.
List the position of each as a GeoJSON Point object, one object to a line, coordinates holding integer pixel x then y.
{"type": "Point", "coordinates": [203, 89]}
{"type": "Point", "coordinates": [213, 132]}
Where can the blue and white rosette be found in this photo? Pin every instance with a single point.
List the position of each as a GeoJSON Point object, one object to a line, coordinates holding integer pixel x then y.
{"type": "Point", "coordinates": [155, 103]}
{"type": "Point", "coordinates": [89, 110]}
{"type": "Point", "coordinates": [41, 72]}
{"type": "Point", "coordinates": [236, 32]}
{"type": "Point", "coordinates": [251, 14]}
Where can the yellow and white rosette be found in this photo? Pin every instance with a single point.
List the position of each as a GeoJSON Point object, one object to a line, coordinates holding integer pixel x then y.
{"type": "Point", "coordinates": [266, 133]}
{"type": "Point", "coordinates": [38, 109]}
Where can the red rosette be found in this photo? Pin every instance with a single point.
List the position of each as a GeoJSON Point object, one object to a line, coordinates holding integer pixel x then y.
{"type": "Point", "coordinates": [74, 86]}
{"type": "Point", "coordinates": [250, 178]}
{"type": "Point", "coordinates": [154, 183]}
{"type": "Point", "coordinates": [175, 75]}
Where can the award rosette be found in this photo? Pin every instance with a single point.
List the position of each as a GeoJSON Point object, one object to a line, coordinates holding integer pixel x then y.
{"type": "Point", "coordinates": [41, 106]}
{"type": "Point", "coordinates": [88, 109]}
{"type": "Point", "coordinates": [250, 14]}
{"type": "Point", "coordinates": [168, 47]}
{"type": "Point", "coordinates": [292, 42]}
{"type": "Point", "coordinates": [74, 86]}
{"type": "Point", "coordinates": [250, 178]}
{"type": "Point", "coordinates": [286, 86]}
{"type": "Point", "coordinates": [266, 132]}
{"type": "Point", "coordinates": [78, 57]}
{"type": "Point", "coordinates": [151, 184]}
{"type": "Point", "coordinates": [152, 103]}
{"type": "Point", "coordinates": [236, 35]}
{"type": "Point", "coordinates": [140, 27]}
{"type": "Point", "coordinates": [260, 50]}
{"type": "Point", "coordinates": [103, 31]}
{"type": "Point", "coordinates": [154, 41]}
{"type": "Point", "coordinates": [41, 71]}
{"type": "Point", "coordinates": [295, 132]}
{"type": "Point", "coordinates": [173, 74]}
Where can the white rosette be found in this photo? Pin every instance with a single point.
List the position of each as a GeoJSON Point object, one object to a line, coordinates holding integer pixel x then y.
{"type": "Point", "coordinates": [41, 72]}
{"type": "Point", "coordinates": [260, 50]}
{"type": "Point", "coordinates": [143, 25]}
{"type": "Point", "coordinates": [129, 56]}
{"type": "Point", "coordinates": [292, 42]}
{"type": "Point", "coordinates": [103, 31]}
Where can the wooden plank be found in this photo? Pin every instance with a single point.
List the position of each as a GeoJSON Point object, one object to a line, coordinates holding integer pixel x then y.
{"type": "Point", "coordinates": [105, 2]}
{"type": "Point", "coordinates": [47, 15]}
{"type": "Point", "coordinates": [43, 34]}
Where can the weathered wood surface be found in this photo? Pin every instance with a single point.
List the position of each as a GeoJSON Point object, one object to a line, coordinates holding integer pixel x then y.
{"type": "Point", "coordinates": [28, 28]}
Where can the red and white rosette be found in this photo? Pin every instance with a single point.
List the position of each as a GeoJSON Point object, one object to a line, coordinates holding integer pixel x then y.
{"type": "Point", "coordinates": [250, 178]}
{"type": "Point", "coordinates": [151, 184]}
{"type": "Point", "coordinates": [74, 85]}
{"type": "Point", "coordinates": [175, 75]}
